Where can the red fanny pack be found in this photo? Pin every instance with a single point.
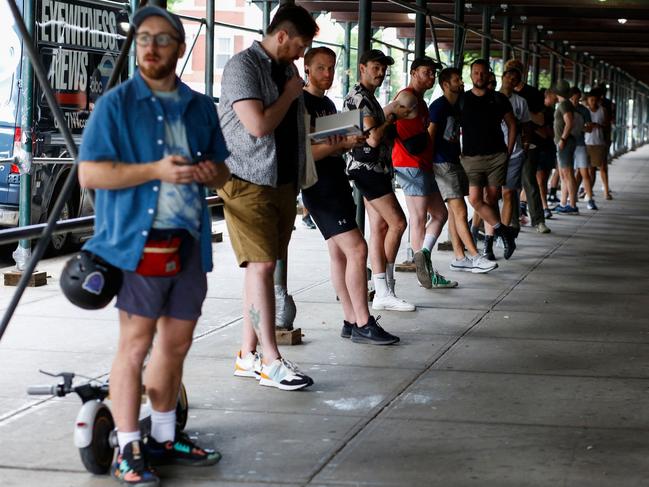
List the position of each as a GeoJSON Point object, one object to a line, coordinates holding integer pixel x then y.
{"type": "Point", "coordinates": [160, 258]}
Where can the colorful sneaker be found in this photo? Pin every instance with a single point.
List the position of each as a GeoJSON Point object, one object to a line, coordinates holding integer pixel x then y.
{"type": "Point", "coordinates": [248, 366]}
{"type": "Point", "coordinates": [132, 468]}
{"type": "Point", "coordinates": [346, 331]}
{"type": "Point", "coordinates": [482, 265]}
{"type": "Point", "coordinates": [423, 267]}
{"type": "Point", "coordinates": [181, 451]}
{"type": "Point", "coordinates": [284, 375]}
{"type": "Point", "coordinates": [373, 334]}
{"type": "Point", "coordinates": [461, 265]}
{"type": "Point", "coordinates": [390, 302]}
{"type": "Point", "coordinates": [438, 281]}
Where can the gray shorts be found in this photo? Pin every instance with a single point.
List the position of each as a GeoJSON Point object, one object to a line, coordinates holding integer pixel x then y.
{"type": "Point", "coordinates": [180, 296]}
{"type": "Point", "coordinates": [566, 156]}
{"type": "Point", "coordinates": [451, 179]}
{"type": "Point", "coordinates": [514, 172]}
{"type": "Point", "coordinates": [581, 157]}
{"type": "Point", "coordinates": [415, 181]}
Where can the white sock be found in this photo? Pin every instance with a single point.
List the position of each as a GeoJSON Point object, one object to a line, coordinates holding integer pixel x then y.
{"type": "Point", "coordinates": [380, 285]}
{"type": "Point", "coordinates": [125, 437]}
{"type": "Point", "coordinates": [163, 425]}
{"type": "Point", "coordinates": [429, 241]}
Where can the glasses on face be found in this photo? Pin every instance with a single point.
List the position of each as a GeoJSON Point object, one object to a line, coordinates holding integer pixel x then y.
{"type": "Point", "coordinates": [163, 40]}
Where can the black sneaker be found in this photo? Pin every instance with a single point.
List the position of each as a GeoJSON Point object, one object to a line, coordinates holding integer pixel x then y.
{"type": "Point", "coordinates": [547, 213]}
{"type": "Point", "coordinates": [488, 249]}
{"type": "Point", "coordinates": [509, 240]}
{"type": "Point", "coordinates": [522, 208]}
{"type": "Point", "coordinates": [346, 331]}
{"type": "Point", "coordinates": [307, 221]}
{"type": "Point", "coordinates": [373, 334]}
{"type": "Point", "coordinates": [181, 451]}
{"type": "Point", "coordinates": [132, 468]}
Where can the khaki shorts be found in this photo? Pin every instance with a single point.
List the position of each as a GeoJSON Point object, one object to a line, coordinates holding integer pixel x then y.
{"type": "Point", "coordinates": [596, 155]}
{"type": "Point", "coordinates": [451, 180]}
{"type": "Point", "coordinates": [260, 219]}
{"type": "Point", "coordinates": [489, 170]}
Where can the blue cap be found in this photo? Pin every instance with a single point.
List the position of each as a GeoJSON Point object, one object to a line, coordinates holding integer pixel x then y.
{"type": "Point", "coordinates": [152, 10]}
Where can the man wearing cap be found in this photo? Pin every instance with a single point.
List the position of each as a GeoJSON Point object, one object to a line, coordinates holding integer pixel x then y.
{"type": "Point", "coordinates": [370, 169]}
{"type": "Point", "coordinates": [150, 148]}
{"type": "Point", "coordinates": [412, 156]}
{"type": "Point", "coordinates": [534, 100]}
{"type": "Point", "coordinates": [564, 120]}
{"type": "Point", "coordinates": [262, 115]}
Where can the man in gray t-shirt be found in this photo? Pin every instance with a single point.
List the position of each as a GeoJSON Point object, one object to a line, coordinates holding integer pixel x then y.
{"type": "Point", "coordinates": [262, 118]}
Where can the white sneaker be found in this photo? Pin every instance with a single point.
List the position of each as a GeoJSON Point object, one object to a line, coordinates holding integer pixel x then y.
{"type": "Point", "coordinates": [283, 375]}
{"type": "Point", "coordinates": [462, 265]}
{"type": "Point", "coordinates": [248, 366]}
{"type": "Point", "coordinates": [482, 265]}
{"type": "Point", "coordinates": [390, 302]}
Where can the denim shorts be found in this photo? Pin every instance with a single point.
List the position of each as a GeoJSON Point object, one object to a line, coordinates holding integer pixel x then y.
{"type": "Point", "coordinates": [180, 296]}
{"type": "Point", "coordinates": [515, 171]}
{"type": "Point", "coordinates": [415, 181]}
{"type": "Point", "coordinates": [567, 155]}
{"type": "Point", "coordinates": [581, 157]}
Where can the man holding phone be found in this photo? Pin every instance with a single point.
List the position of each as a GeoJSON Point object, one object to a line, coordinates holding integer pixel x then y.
{"type": "Point", "coordinates": [152, 222]}
{"type": "Point", "coordinates": [262, 115]}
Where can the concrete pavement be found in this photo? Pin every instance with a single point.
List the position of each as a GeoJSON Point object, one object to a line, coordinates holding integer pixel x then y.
{"type": "Point", "coordinates": [534, 374]}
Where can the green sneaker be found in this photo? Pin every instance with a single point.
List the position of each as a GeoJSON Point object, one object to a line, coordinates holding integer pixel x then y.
{"type": "Point", "coordinates": [438, 281]}
{"type": "Point", "coordinates": [423, 267]}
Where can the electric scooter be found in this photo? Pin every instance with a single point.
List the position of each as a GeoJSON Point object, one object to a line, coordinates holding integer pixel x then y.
{"type": "Point", "coordinates": [94, 429]}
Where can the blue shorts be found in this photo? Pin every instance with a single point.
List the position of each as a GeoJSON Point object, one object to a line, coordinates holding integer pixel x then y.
{"type": "Point", "coordinates": [415, 181]}
{"type": "Point", "coordinates": [180, 296]}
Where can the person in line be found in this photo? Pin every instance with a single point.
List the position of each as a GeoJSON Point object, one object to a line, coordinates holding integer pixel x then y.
{"type": "Point", "coordinates": [582, 166]}
{"type": "Point", "coordinates": [596, 142]}
{"type": "Point", "coordinates": [150, 196]}
{"type": "Point", "coordinates": [547, 151]}
{"type": "Point", "coordinates": [370, 170]}
{"type": "Point", "coordinates": [453, 183]}
{"type": "Point", "coordinates": [485, 154]}
{"type": "Point", "coordinates": [412, 160]}
{"type": "Point", "coordinates": [262, 115]}
{"type": "Point", "coordinates": [331, 205]}
{"type": "Point", "coordinates": [564, 120]}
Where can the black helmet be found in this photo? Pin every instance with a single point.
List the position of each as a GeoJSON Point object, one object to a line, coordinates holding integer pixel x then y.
{"type": "Point", "coordinates": [89, 281]}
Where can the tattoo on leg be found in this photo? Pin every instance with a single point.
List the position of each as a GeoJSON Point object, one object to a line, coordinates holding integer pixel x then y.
{"type": "Point", "coordinates": [255, 318]}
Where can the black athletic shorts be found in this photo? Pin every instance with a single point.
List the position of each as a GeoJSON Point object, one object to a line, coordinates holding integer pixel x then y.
{"type": "Point", "coordinates": [371, 184]}
{"type": "Point", "coordinates": [331, 204]}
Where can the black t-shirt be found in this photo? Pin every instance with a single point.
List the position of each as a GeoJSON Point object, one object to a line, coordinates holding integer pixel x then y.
{"type": "Point", "coordinates": [319, 107]}
{"type": "Point", "coordinates": [533, 97]}
{"type": "Point", "coordinates": [481, 119]}
{"type": "Point", "coordinates": [287, 151]}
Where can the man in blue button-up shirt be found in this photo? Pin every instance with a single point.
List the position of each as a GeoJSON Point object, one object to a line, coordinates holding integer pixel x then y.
{"type": "Point", "coordinates": [137, 152]}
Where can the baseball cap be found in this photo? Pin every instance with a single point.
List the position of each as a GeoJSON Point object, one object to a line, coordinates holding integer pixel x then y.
{"type": "Point", "coordinates": [425, 61]}
{"type": "Point", "coordinates": [151, 10]}
{"type": "Point", "coordinates": [561, 88]}
{"type": "Point", "coordinates": [376, 55]}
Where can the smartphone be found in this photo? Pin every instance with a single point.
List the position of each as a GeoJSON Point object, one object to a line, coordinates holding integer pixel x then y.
{"type": "Point", "coordinates": [201, 158]}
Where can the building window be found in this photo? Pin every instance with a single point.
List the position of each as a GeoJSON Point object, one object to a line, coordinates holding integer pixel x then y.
{"type": "Point", "coordinates": [222, 51]}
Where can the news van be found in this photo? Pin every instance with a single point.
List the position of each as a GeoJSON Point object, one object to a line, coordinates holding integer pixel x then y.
{"type": "Point", "coordinates": [78, 43]}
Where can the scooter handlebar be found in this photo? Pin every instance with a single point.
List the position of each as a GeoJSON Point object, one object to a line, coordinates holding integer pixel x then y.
{"type": "Point", "coordinates": [49, 390]}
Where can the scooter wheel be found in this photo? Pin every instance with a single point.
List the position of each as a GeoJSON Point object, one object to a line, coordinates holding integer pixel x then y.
{"type": "Point", "coordinates": [98, 456]}
{"type": "Point", "coordinates": [182, 408]}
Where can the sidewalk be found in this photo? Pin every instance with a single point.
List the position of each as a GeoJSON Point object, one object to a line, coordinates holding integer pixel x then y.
{"type": "Point", "coordinates": [534, 374]}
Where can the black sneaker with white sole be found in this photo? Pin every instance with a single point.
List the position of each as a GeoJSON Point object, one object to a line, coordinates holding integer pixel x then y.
{"type": "Point", "coordinates": [373, 334]}
{"type": "Point", "coordinates": [346, 331]}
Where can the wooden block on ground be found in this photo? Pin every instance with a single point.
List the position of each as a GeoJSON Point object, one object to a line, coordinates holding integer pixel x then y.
{"type": "Point", "coordinates": [288, 337]}
{"type": "Point", "coordinates": [38, 278]}
{"type": "Point", "coordinates": [445, 245]}
{"type": "Point", "coordinates": [405, 266]}
{"type": "Point", "coordinates": [217, 237]}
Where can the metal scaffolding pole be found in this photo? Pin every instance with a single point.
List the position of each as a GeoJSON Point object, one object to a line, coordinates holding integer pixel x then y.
{"type": "Point", "coordinates": [536, 59]}
{"type": "Point", "coordinates": [420, 30]}
{"type": "Point", "coordinates": [525, 58]}
{"type": "Point", "coordinates": [485, 43]}
{"type": "Point", "coordinates": [347, 57]}
{"type": "Point", "coordinates": [458, 35]}
{"type": "Point", "coordinates": [507, 38]}
{"type": "Point", "coordinates": [209, 48]}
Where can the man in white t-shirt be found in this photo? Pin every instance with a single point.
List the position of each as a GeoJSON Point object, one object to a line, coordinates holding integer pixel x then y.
{"type": "Point", "coordinates": [596, 142]}
{"type": "Point", "coordinates": [511, 190]}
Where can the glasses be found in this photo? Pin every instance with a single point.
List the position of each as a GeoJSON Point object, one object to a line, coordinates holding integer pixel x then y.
{"type": "Point", "coordinates": [162, 40]}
